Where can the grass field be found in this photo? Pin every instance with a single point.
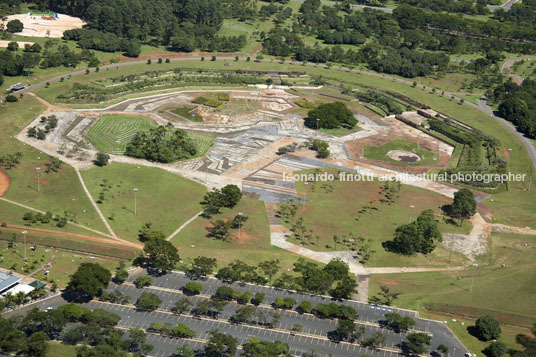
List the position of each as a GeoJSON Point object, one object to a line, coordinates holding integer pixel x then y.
{"type": "Point", "coordinates": [66, 263]}
{"type": "Point", "coordinates": [13, 258]}
{"type": "Point", "coordinates": [380, 153]}
{"type": "Point", "coordinates": [57, 349]}
{"type": "Point", "coordinates": [329, 213]}
{"type": "Point", "coordinates": [59, 191]}
{"type": "Point", "coordinates": [111, 133]}
{"type": "Point", "coordinates": [164, 199]}
{"type": "Point", "coordinates": [252, 247]}
{"type": "Point", "coordinates": [505, 292]}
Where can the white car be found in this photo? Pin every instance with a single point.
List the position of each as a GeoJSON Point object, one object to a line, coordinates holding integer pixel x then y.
{"type": "Point", "coordinates": [49, 308]}
{"type": "Point", "coordinates": [468, 355]}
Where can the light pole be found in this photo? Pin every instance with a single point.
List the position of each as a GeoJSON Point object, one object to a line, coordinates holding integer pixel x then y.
{"type": "Point", "coordinates": [135, 191]}
{"type": "Point", "coordinates": [317, 123]}
{"type": "Point", "coordinates": [38, 170]}
{"type": "Point", "coordinates": [239, 223]}
{"type": "Point", "coordinates": [473, 279]}
{"type": "Point", "coordinates": [24, 233]}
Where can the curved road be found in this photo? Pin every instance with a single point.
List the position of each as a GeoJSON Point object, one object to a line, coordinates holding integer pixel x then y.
{"type": "Point", "coordinates": [482, 105]}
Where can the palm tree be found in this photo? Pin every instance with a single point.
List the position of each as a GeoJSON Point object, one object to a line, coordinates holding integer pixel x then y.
{"type": "Point", "coordinates": [9, 300]}
{"type": "Point", "coordinates": [20, 298]}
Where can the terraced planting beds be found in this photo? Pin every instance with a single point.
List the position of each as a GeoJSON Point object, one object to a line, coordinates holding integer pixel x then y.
{"type": "Point", "coordinates": [111, 133]}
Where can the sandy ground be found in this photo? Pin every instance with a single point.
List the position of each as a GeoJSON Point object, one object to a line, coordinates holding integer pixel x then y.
{"type": "Point", "coordinates": [21, 43]}
{"type": "Point", "coordinates": [35, 26]}
{"type": "Point", "coordinates": [4, 182]}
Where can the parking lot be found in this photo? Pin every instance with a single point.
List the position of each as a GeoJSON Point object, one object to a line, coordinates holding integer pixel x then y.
{"type": "Point", "coordinates": [368, 314]}
{"type": "Point", "coordinates": [311, 324]}
{"type": "Point", "coordinates": [299, 343]}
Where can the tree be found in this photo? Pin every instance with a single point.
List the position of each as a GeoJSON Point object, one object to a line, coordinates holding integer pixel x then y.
{"type": "Point", "coordinates": [231, 195]}
{"type": "Point", "coordinates": [495, 349]}
{"type": "Point", "coordinates": [305, 307]}
{"type": "Point", "coordinates": [15, 26]}
{"type": "Point", "coordinates": [220, 230]}
{"type": "Point", "coordinates": [146, 233]}
{"type": "Point", "coordinates": [487, 328]}
{"type": "Point", "coordinates": [269, 268]}
{"type": "Point", "coordinates": [29, 60]}
{"type": "Point", "coordinates": [181, 305]}
{"type": "Point", "coordinates": [464, 205]}
{"type": "Point", "coordinates": [331, 116]}
{"type": "Point", "coordinates": [344, 288]}
{"type": "Point", "coordinates": [399, 323]}
{"type": "Point", "coordinates": [89, 280]}
{"type": "Point", "coordinates": [321, 147]}
{"type": "Point", "coordinates": [120, 276]}
{"type": "Point", "coordinates": [193, 288]}
{"type": "Point", "coordinates": [416, 237]}
{"type": "Point", "coordinates": [378, 339]}
{"type": "Point", "coordinates": [345, 329]}
{"type": "Point", "coordinates": [143, 281]}
{"type": "Point", "coordinates": [203, 266]}
{"type": "Point", "coordinates": [161, 254]}
{"type": "Point", "coordinates": [384, 297]}
{"type": "Point", "coordinates": [220, 345]}
{"type": "Point", "coordinates": [36, 345]}
{"type": "Point", "coordinates": [185, 351]}
{"type": "Point", "coordinates": [102, 159]}
{"type": "Point", "coordinates": [243, 314]}
{"type": "Point", "coordinates": [148, 301]}
{"type": "Point", "coordinates": [254, 347]}
{"type": "Point", "coordinates": [443, 349]}
{"type": "Point", "coordinates": [416, 341]}
{"type": "Point", "coordinates": [258, 299]}
{"type": "Point", "coordinates": [13, 46]}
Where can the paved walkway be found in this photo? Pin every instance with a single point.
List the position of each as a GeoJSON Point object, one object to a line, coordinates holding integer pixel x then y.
{"type": "Point", "coordinates": [49, 263]}
{"type": "Point", "coordinates": [95, 205]}
{"type": "Point", "coordinates": [183, 226]}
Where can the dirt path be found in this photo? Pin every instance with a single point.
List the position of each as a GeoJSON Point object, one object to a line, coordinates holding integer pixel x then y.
{"type": "Point", "coordinates": [4, 182]}
{"type": "Point", "coordinates": [183, 226]}
{"type": "Point", "coordinates": [509, 63]}
{"type": "Point", "coordinates": [472, 244]}
{"type": "Point", "coordinates": [17, 228]}
{"type": "Point", "coordinates": [496, 227]}
{"type": "Point", "coordinates": [397, 270]}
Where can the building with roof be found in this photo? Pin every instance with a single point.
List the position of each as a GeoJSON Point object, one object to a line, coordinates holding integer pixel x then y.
{"type": "Point", "coordinates": [7, 282]}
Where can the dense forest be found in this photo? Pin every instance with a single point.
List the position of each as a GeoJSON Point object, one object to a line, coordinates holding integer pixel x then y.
{"type": "Point", "coordinates": [518, 105]}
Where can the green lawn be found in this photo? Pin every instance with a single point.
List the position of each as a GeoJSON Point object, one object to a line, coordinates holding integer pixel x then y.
{"type": "Point", "coordinates": [57, 349]}
{"type": "Point", "coordinates": [505, 292]}
{"type": "Point", "coordinates": [111, 133]}
{"type": "Point", "coordinates": [164, 199]}
{"type": "Point", "coordinates": [380, 153]}
{"type": "Point", "coordinates": [13, 258]}
{"type": "Point", "coordinates": [66, 263]}
{"type": "Point", "coordinates": [252, 247]}
{"type": "Point", "coordinates": [333, 208]}
{"type": "Point", "coordinates": [59, 191]}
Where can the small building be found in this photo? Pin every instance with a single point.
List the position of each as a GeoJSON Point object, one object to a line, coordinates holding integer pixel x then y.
{"type": "Point", "coordinates": [25, 288]}
{"type": "Point", "coordinates": [16, 87]}
{"type": "Point", "coordinates": [37, 285]}
{"type": "Point", "coordinates": [7, 282]}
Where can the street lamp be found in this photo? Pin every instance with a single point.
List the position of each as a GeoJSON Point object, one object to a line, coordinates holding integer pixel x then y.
{"type": "Point", "coordinates": [24, 233]}
{"type": "Point", "coordinates": [317, 123]}
{"type": "Point", "coordinates": [135, 191]}
{"type": "Point", "coordinates": [239, 223]}
{"type": "Point", "coordinates": [38, 170]}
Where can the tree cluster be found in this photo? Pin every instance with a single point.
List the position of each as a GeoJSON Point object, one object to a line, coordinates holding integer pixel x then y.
{"type": "Point", "coordinates": [331, 116]}
{"type": "Point", "coordinates": [163, 144]}
{"type": "Point", "coordinates": [215, 200]}
{"type": "Point", "coordinates": [419, 236]}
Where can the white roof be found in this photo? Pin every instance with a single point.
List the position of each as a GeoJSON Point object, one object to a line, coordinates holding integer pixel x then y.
{"type": "Point", "coordinates": [20, 287]}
